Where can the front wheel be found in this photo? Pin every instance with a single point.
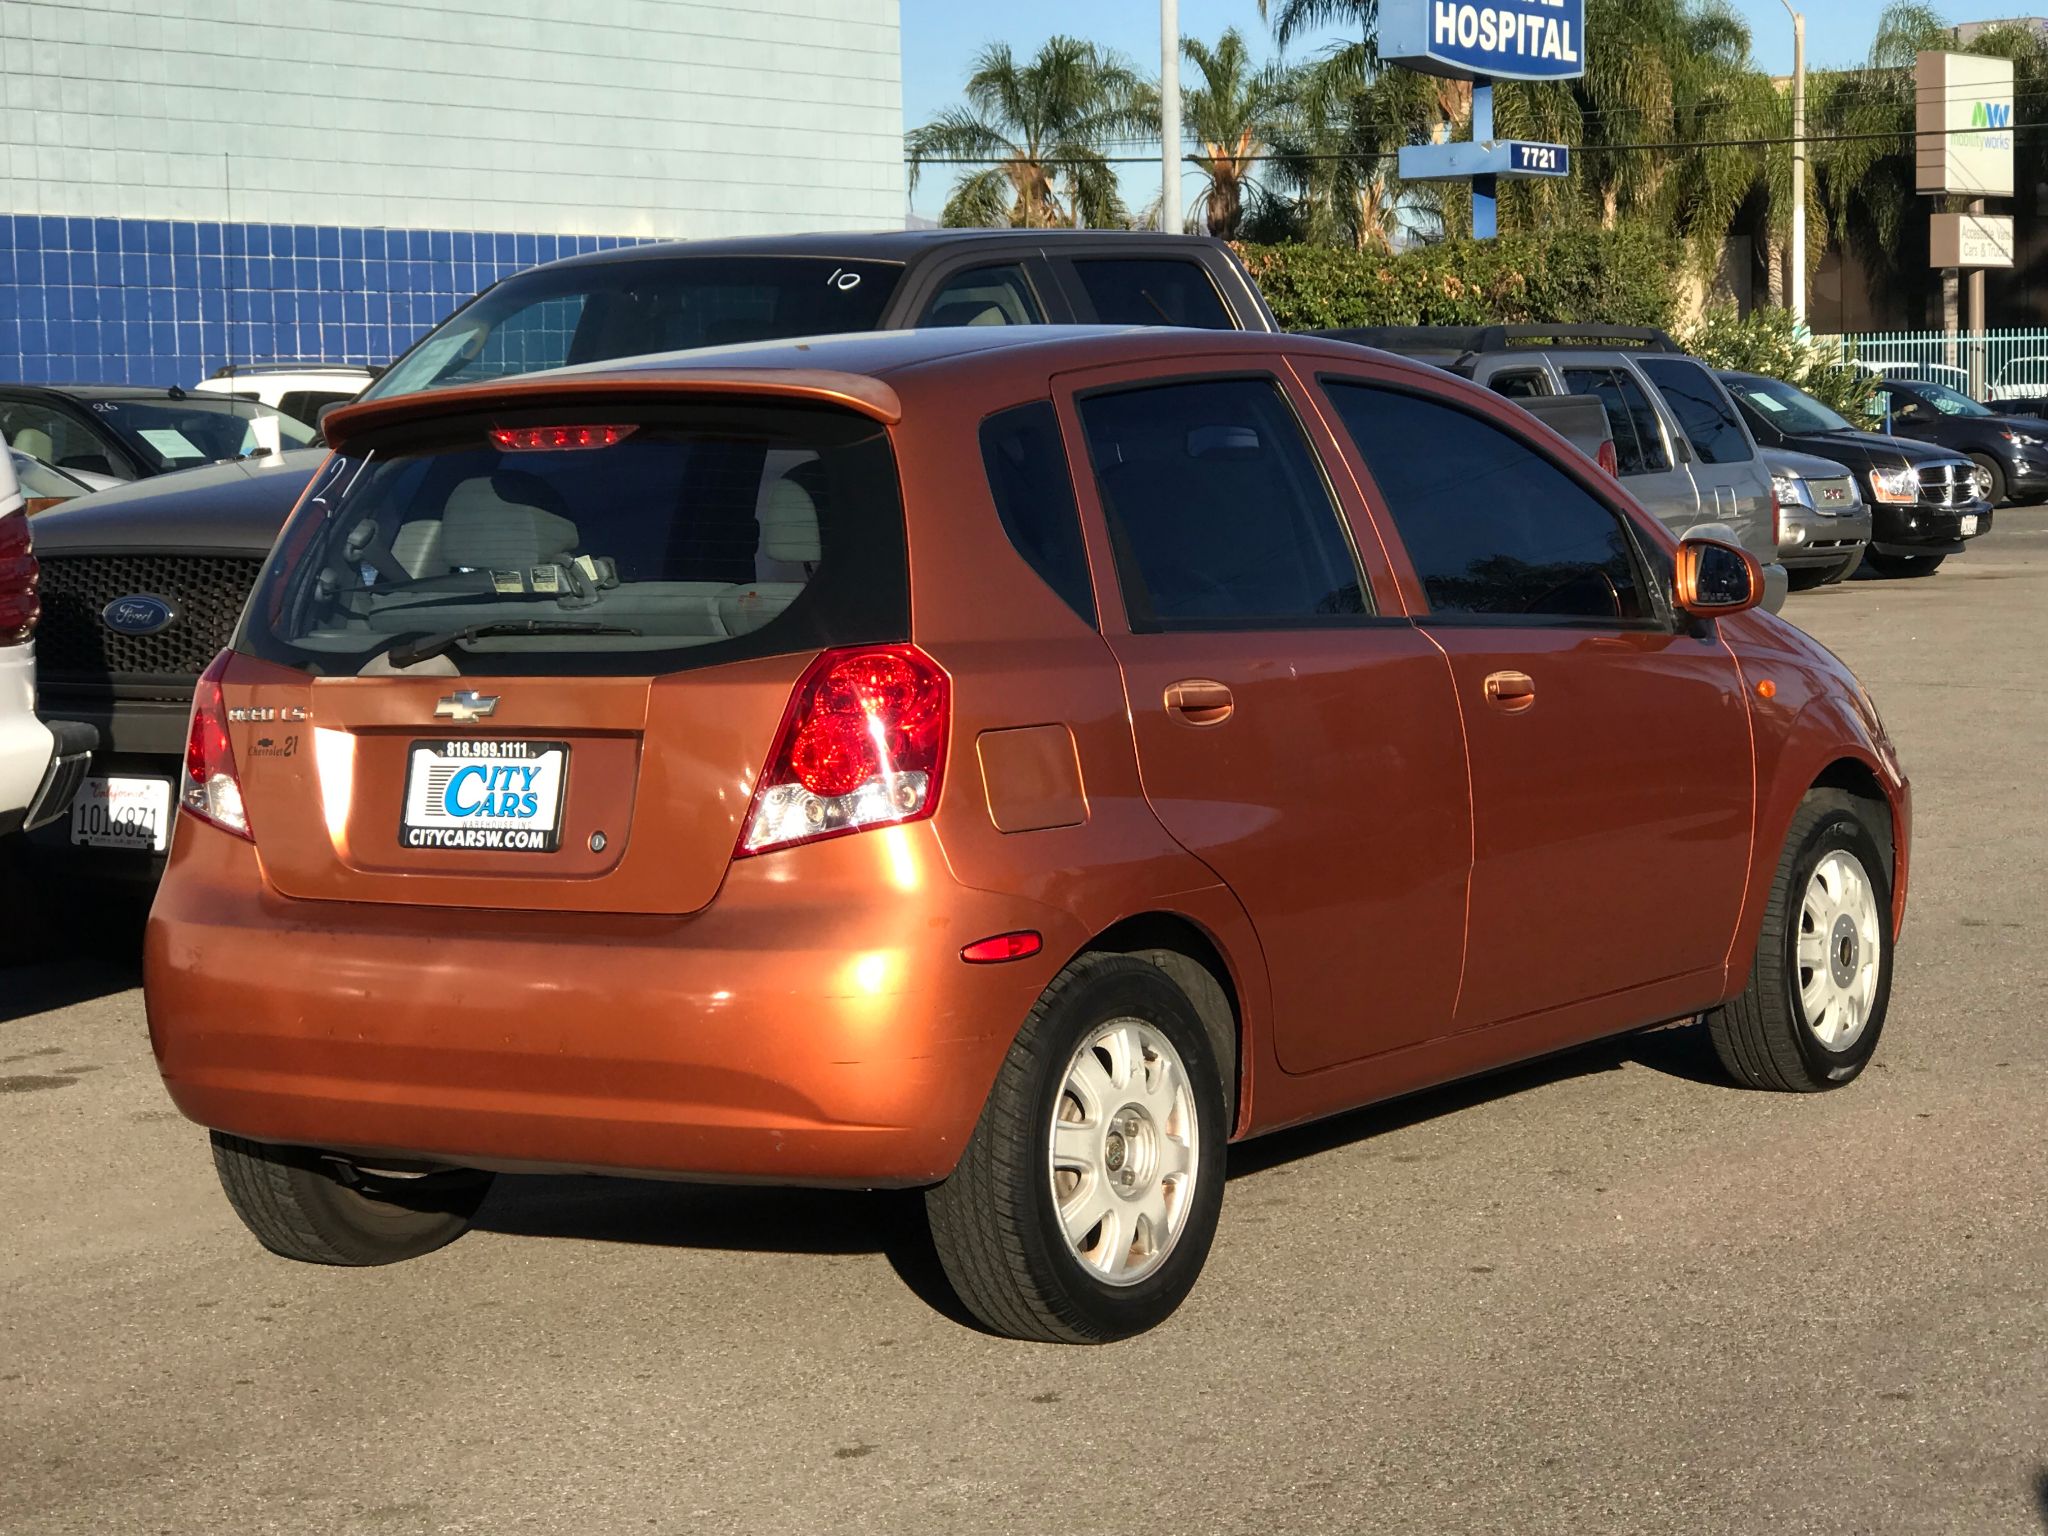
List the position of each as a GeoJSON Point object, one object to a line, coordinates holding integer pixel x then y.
{"type": "Point", "coordinates": [1903, 565]}
{"type": "Point", "coordinates": [305, 1205]}
{"type": "Point", "coordinates": [1084, 1205]}
{"type": "Point", "coordinates": [1994, 473]}
{"type": "Point", "coordinates": [1822, 978]}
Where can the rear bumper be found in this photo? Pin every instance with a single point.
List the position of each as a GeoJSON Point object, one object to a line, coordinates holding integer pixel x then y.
{"type": "Point", "coordinates": [813, 1025]}
{"type": "Point", "coordinates": [25, 742]}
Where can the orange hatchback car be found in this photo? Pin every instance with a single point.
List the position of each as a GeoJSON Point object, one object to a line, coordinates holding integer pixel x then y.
{"type": "Point", "coordinates": [1015, 763]}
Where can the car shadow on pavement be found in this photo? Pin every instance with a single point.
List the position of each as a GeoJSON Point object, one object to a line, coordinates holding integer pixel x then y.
{"type": "Point", "coordinates": [1676, 1050]}
{"type": "Point", "coordinates": [768, 1219]}
{"type": "Point", "coordinates": [2041, 1496]}
{"type": "Point", "coordinates": [27, 990]}
{"type": "Point", "coordinates": [737, 1218]}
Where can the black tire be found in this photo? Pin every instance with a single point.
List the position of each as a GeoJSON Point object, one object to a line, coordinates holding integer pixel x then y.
{"type": "Point", "coordinates": [1985, 461]}
{"type": "Point", "coordinates": [1903, 565]}
{"type": "Point", "coordinates": [320, 1210]}
{"type": "Point", "coordinates": [1846, 569]}
{"type": "Point", "coordinates": [1762, 1037]}
{"type": "Point", "coordinates": [995, 1223]}
{"type": "Point", "coordinates": [1806, 578]}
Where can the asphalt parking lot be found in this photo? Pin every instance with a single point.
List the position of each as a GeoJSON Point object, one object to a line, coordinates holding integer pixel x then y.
{"type": "Point", "coordinates": [1605, 1293]}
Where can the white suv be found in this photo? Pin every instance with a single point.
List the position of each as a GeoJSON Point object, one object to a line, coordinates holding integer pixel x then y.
{"type": "Point", "coordinates": [297, 389]}
{"type": "Point", "coordinates": [40, 765]}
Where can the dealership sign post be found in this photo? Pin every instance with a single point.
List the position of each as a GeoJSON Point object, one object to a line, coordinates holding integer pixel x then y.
{"type": "Point", "coordinates": [1484, 41]}
{"type": "Point", "coordinates": [1963, 122]}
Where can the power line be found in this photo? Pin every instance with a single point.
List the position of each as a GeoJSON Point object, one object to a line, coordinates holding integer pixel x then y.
{"type": "Point", "coordinates": [1577, 149]}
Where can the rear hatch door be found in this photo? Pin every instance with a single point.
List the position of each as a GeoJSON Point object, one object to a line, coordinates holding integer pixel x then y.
{"type": "Point", "coordinates": [535, 655]}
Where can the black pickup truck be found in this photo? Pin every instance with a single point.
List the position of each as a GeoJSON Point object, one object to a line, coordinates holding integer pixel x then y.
{"type": "Point", "coordinates": [143, 585]}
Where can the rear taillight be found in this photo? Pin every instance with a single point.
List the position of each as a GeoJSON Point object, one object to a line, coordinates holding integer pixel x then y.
{"type": "Point", "coordinates": [862, 745]}
{"type": "Point", "coordinates": [1609, 460]}
{"type": "Point", "coordinates": [19, 573]}
{"type": "Point", "coordinates": [211, 789]}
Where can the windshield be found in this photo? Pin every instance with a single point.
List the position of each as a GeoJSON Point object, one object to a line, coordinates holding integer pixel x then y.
{"type": "Point", "coordinates": [178, 434]}
{"type": "Point", "coordinates": [1786, 408]}
{"type": "Point", "coordinates": [554, 317]}
{"type": "Point", "coordinates": [638, 542]}
{"type": "Point", "coordinates": [1948, 401]}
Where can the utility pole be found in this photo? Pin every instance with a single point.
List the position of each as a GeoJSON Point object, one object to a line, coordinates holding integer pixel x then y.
{"type": "Point", "coordinates": [1798, 283]}
{"type": "Point", "coordinates": [1169, 116]}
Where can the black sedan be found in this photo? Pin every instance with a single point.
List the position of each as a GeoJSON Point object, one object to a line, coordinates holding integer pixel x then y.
{"type": "Point", "coordinates": [2013, 449]}
{"type": "Point", "coordinates": [129, 431]}
{"type": "Point", "coordinates": [1925, 501]}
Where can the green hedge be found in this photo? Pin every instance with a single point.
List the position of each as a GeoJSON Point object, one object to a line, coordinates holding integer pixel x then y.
{"type": "Point", "coordinates": [1619, 277]}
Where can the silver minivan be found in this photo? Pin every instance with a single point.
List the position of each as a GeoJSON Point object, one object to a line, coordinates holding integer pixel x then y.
{"type": "Point", "coordinates": [1680, 444]}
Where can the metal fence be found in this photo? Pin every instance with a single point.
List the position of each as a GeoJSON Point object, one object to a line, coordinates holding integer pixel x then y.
{"type": "Point", "coordinates": [1992, 365]}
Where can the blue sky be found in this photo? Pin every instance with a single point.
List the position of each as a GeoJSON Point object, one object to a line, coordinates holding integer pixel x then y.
{"type": "Point", "coordinates": [941, 37]}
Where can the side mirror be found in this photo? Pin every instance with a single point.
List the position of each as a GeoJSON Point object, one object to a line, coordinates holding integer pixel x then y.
{"type": "Point", "coordinates": [1715, 577]}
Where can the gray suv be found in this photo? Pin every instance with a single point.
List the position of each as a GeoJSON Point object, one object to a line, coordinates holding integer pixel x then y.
{"type": "Point", "coordinates": [1680, 444]}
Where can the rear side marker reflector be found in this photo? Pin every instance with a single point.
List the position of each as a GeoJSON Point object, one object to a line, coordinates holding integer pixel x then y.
{"type": "Point", "coordinates": [547, 439]}
{"type": "Point", "coordinates": [1004, 946]}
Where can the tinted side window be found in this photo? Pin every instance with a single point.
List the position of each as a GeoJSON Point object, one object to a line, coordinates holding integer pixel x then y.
{"type": "Point", "coordinates": [1491, 526]}
{"type": "Point", "coordinates": [1520, 385]}
{"type": "Point", "coordinates": [984, 296]}
{"type": "Point", "coordinates": [1132, 291]}
{"type": "Point", "coordinates": [1218, 512]}
{"type": "Point", "coordinates": [1703, 412]}
{"type": "Point", "coordinates": [1638, 444]}
{"type": "Point", "coordinates": [1026, 461]}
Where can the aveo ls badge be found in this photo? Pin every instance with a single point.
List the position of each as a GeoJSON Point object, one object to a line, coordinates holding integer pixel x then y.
{"type": "Point", "coordinates": [496, 796]}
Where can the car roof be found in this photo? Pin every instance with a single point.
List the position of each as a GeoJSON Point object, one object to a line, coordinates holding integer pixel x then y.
{"type": "Point", "coordinates": [861, 368]}
{"type": "Point", "coordinates": [103, 391]}
{"type": "Point", "coordinates": [873, 245]}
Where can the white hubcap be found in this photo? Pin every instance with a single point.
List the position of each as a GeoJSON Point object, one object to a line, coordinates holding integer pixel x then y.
{"type": "Point", "coordinates": [1123, 1151]}
{"type": "Point", "coordinates": [1838, 948]}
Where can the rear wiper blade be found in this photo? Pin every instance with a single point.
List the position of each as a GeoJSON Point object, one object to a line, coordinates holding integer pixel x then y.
{"type": "Point", "coordinates": [408, 649]}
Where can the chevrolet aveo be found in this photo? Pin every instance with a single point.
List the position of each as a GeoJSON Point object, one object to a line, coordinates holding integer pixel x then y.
{"type": "Point", "coordinates": [1015, 764]}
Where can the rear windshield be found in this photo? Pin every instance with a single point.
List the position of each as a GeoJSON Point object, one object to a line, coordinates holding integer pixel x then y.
{"type": "Point", "coordinates": [178, 434]}
{"type": "Point", "coordinates": [553, 317]}
{"type": "Point", "coordinates": [687, 536]}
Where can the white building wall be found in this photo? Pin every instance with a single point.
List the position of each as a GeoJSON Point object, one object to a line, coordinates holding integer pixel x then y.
{"type": "Point", "coordinates": [617, 117]}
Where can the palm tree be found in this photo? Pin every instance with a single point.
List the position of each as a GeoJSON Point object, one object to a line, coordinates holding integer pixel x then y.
{"type": "Point", "coordinates": [1231, 115]}
{"type": "Point", "coordinates": [1291, 18]}
{"type": "Point", "coordinates": [1039, 128]}
{"type": "Point", "coordinates": [1333, 153]}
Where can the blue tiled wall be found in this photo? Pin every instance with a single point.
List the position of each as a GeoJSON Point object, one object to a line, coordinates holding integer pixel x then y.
{"type": "Point", "coordinates": [137, 301]}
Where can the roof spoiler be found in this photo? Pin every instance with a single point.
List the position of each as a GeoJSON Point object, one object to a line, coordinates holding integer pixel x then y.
{"type": "Point", "coordinates": [1450, 345]}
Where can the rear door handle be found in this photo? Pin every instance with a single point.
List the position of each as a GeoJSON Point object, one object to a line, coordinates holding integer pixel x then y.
{"type": "Point", "coordinates": [1199, 701]}
{"type": "Point", "coordinates": [1512, 692]}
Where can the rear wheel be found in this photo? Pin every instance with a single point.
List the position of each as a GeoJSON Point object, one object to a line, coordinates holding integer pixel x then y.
{"type": "Point", "coordinates": [1821, 981]}
{"type": "Point", "coordinates": [1903, 565]}
{"type": "Point", "coordinates": [1084, 1206]}
{"type": "Point", "coordinates": [305, 1205]}
{"type": "Point", "coordinates": [1995, 494]}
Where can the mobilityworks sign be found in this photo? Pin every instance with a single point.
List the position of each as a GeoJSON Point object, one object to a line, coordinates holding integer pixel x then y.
{"type": "Point", "coordinates": [1488, 39]}
{"type": "Point", "coordinates": [1963, 116]}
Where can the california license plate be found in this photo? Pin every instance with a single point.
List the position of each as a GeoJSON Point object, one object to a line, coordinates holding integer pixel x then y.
{"type": "Point", "coordinates": [1969, 524]}
{"type": "Point", "coordinates": [122, 813]}
{"type": "Point", "coordinates": [498, 796]}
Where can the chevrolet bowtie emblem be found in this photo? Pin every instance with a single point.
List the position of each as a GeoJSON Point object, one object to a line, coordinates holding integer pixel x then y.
{"type": "Point", "coordinates": [466, 708]}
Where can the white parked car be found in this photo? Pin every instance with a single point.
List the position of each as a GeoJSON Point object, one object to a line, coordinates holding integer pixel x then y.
{"type": "Point", "coordinates": [41, 766]}
{"type": "Point", "coordinates": [297, 389]}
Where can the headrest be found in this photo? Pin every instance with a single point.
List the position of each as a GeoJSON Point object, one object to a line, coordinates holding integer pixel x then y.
{"type": "Point", "coordinates": [789, 524]}
{"type": "Point", "coordinates": [496, 523]}
{"type": "Point", "coordinates": [967, 312]}
{"type": "Point", "coordinates": [35, 442]}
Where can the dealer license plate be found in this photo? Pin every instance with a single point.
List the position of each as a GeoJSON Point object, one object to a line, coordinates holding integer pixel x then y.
{"type": "Point", "coordinates": [1969, 524]}
{"type": "Point", "coordinates": [122, 813]}
{"type": "Point", "coordinates": [497, 796]}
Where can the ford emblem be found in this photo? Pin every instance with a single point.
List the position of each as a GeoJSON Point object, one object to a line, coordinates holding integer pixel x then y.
{"type": "Point", "coordinates": [138, 614]}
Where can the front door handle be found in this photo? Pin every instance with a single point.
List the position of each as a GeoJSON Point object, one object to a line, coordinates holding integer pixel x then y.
{"type": "Point", "coordinates": [1512, 692]}
{"type": "Point", "coordinates": [1199, 701]}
